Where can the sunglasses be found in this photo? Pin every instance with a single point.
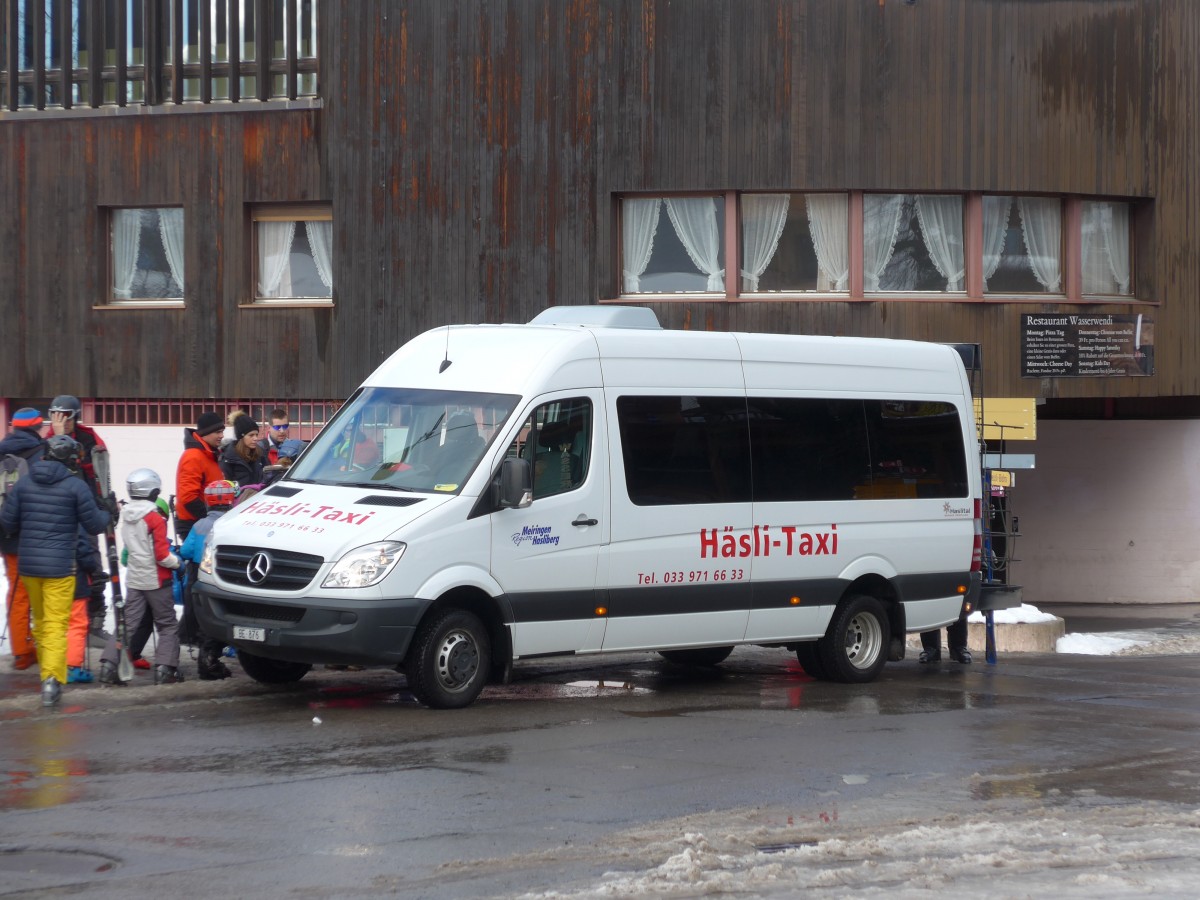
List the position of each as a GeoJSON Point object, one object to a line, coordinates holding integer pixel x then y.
{"type": "Point", "coordinates": [280, 427]}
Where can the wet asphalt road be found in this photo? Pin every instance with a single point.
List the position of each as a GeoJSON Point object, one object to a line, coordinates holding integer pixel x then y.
{"type": "Point", "coordinates": [233, 789]}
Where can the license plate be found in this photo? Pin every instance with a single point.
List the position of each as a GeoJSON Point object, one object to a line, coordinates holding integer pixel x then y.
{"type": "Point", "coordinates": [242, 633]}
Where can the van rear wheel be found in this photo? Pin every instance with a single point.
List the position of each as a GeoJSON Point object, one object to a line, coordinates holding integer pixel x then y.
{"type": "Point", "coordinates": [699, 656]}
{"type": "Point", "coordinates": [854, 648]}
{"type": "Point", "coordinates": [809, 658]}
{"type": "Point", "coordinates": [449, 660]}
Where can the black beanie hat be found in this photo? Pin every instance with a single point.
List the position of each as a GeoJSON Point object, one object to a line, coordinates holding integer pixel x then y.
{"type": "Point", "coordinates": [208, 423]}
{"type": "Point", "coordinates": [243, 425]}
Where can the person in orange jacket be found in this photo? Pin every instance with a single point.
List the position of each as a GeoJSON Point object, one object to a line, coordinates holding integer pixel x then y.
{"type": "Point", "coordinates": [198, 467]}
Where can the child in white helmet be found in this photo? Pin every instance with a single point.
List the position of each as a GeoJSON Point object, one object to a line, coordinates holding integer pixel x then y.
{"type": "Point", "coordinates": [147, 577]}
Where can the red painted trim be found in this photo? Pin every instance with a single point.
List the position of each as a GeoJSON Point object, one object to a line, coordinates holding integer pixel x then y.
{"type": "Point", "coordinates": [973, 245]}
{"type": "Point", "coordinates": [855, 220]}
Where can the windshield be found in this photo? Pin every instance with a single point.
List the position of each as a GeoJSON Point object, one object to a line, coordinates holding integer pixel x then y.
{"type": "Point", "coordinates": [406, 439]}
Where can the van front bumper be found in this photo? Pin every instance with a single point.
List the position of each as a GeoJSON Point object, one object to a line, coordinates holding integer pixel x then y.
{"type": "Point", "coordinates": [350, 631]}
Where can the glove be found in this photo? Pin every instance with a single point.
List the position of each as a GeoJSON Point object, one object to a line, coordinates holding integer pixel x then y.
{"type": "Point", "coordinates": [110, 503]}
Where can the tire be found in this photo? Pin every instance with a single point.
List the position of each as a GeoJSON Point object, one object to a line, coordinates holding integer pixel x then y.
{"type": "Point", "coordinates": [855, 647]}
{"type": "Point", "coordinates": [700, 656]}
{"type": "Point", "coordinates": [449, 660]}
{"type": "Point", "coordinates": [810, 661]}
{"type": "Point", "coordinates": [271, 671]}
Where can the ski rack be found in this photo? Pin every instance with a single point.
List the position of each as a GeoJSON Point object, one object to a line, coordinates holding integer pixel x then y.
{"type": "Point", "coordinates": [1000, 527]}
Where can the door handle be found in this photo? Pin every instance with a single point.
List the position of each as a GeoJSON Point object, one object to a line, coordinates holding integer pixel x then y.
{"type": "Point", "coordinates": [582, 519]}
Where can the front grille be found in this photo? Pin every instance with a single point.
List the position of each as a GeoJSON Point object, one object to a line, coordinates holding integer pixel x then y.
{"type": "Point", "coordinates": [291, 614]}
{"type": "Point", "coordinates": [289, 571]}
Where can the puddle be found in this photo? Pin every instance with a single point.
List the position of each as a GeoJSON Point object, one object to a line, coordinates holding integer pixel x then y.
{"type": "Point", "coordinates": [59, 863]}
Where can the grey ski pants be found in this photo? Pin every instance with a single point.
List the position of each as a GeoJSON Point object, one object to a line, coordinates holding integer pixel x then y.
{"type": "Point", "coordinates": [162, 607]}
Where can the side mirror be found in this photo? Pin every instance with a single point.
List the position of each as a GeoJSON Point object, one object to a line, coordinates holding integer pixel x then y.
{"type": "Point", "coordinates": [516, 483]}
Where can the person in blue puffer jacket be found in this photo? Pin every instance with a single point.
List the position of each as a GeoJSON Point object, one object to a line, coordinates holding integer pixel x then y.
{"type": "Point", "coordinates": [47, 508]}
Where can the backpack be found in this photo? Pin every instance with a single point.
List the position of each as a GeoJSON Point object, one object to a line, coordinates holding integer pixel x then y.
{"type": "Point", "coordinates": [12, 469]}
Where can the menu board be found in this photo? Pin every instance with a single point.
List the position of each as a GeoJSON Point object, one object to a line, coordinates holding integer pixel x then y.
{"type": "Point", "coordinates": [1086, 345]}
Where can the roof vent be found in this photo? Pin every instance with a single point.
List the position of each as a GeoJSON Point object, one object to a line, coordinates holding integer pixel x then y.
{"type": "Point", "coordinates": [598, 316]}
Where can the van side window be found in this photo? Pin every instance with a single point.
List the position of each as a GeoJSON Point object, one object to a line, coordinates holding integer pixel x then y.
{"type": "Point", "coordinates": [681, 450]}
{"type": "Point", "coordinates": [916, 449]}
{"type": "Point", "coordinates": [557, 438]}
{"type": "Point", "coordinates": [807, 448]}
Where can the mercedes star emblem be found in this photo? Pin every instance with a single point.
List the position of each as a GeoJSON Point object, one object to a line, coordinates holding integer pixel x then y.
{"type": "Point", "coordinates": [258, 568]}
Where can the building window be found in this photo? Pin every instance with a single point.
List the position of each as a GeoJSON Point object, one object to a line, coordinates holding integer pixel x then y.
{"type": "Point", "coordinates": [913, 242]}
{"type": "Point", "coordinates": [795, 243]}
{"type": "Point", "coordinates": [674, 245]}
{"type": "Point", "coordinates": [293, 253]}
{"type": "Point", "coordinates": [1022, 245]}
{"type": "Point", "coordinates": [866, 245]}
{"type": "Point", "coordinates": [1104, 248]}
{"type": "Point", "coordinates": [94, 53]}
{"type": "Point", "coordinates": [147, 254]}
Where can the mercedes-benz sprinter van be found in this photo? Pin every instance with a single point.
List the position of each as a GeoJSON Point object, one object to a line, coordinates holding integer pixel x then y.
{"type": "Point", "coordinates": [590, 482]}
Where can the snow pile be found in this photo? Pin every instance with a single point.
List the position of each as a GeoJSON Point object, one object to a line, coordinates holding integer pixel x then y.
{"type": "Point", "coordinates": [1098, 852]}
{"type": "Point", "coordinates": [1018, 615]}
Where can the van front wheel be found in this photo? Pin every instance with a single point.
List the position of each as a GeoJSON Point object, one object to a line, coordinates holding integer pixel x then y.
{"type": "Point", "coordinates": [448, 662]}
{"type": "Point", "coordinates": [854, 648]}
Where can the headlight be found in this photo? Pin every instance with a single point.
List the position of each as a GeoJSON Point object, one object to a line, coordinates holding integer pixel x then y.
{"type": "Point", "coordinates": [206, 561]}
{"type": "Point", "coordinates": [365, 566]}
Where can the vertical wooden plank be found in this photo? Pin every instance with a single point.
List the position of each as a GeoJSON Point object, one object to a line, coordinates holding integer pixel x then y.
{"type": "Point", "coordinates": [204, 11]}
{"type": "Point", "coordinates": [121, 27]}
{"type": "Point", "coordinates": [37, 9]}
{"type": "Point", "coordinates": [66, 46]}
{"type": "Point", "coordinates": [96, 49]}
{"type": "Point", "coordinates": [176, 42]}
{"type": "Point", "coordinates": [263, 48]}
{"type": "Point", "coordinates": [12, 93]}
{"type": "Point", "coordinates": [233, 24]}
{"type": "Point", "coordinates": [293, 46]}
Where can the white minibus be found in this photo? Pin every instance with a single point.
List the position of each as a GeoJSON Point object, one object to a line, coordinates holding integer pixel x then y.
{"type": "Point", "coordinates": [591, 483]}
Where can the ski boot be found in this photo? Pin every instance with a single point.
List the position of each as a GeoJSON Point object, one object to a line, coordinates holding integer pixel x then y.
{"type": "Point", "coordinates": [108, 673]}
{"type": "Point", "coordinates": [167, 675]}
{"type": "Point", "coordinates": [211, 668]}
{"type": "Point", "coordinates": [78, 675]}
{"type": "Point", "coordinates": [930, 656]}
{"type": "Point", "coordinates": [961, 655]}
{"type": "Point", "coordinates": [51, 691]}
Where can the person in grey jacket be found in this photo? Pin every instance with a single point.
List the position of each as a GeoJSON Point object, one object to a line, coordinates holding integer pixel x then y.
{"type": "Point", "coordinates": [147, 578]}
{"type": "Point", "coordinates": [47, 508]}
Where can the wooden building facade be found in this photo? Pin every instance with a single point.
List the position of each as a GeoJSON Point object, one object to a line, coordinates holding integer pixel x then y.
{"type": "Point", "coordinates": [471, 162]}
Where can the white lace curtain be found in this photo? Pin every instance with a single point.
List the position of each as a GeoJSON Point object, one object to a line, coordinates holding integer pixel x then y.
{"type": "Point", "coordinates": [695, 221]}
{"type": "Point", "coordinates": [126, 243]}
{"type": "Point", "coordinates": [170, 229]}
{"type": "Point", "coordinates": [1105, 250]}
{"type": "Point", "coordinates": [828, 223]}
{"type": "Point", "coordinates": [763, 218]}
{"type": "Point", "coordinates": [881, 225]}
{"type": "Point", "coordinates": [274, 258]}
{"type": "Point", "coordinates": [1041, 226]}
{"type": "Point", "coordinates": [638, 227]}
{"type": "Point", "coordinates": [996, 211]}
{"type": "Point", "coordinates": [941, 219]}
{"type": "Point", "coordinates": [320, 239]}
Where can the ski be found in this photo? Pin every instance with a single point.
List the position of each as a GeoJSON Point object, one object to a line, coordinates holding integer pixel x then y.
{"type": "Point", "coordinates": [100, 465]}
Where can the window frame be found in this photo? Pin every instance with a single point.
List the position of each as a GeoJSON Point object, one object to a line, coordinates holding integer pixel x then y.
{"type": "Point", "coordinates": [1071, 288]}
{"type": "Point", "coordinates": [285, 212]}
{"type": "Point", "coordinates": [111, 300]}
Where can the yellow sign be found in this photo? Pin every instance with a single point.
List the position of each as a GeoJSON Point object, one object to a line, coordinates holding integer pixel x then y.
{"type": "Point", "coordinates": [1000, 478]}
{"type": "Point", "coordinates": [1007, 418]}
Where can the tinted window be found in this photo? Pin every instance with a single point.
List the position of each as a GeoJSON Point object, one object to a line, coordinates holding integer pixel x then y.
{"type": "Point", "coordinates": [808, 448]}
{"type": "Point", "coordinates": [916, 449]}
{"type": "Point", "coordinates": [680, 450]}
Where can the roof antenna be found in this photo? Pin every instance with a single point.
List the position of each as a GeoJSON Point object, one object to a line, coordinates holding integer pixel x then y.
{"type": "Point", "coordinates": [446, 359]}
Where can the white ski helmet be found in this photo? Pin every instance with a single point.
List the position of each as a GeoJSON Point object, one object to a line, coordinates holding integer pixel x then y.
{"type": "Point", "coordinates": [143, 484]}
